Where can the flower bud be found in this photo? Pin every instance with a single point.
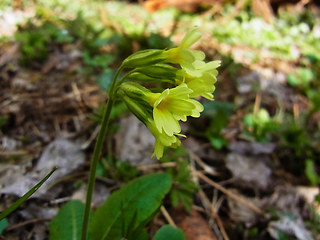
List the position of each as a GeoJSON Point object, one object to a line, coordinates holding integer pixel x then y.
{"type": "Point", "coordinates": [134, 90]}
{"type": "Point", "coordinates": [159, 71]}
{"type": "Point", "coordinates": [141, 111]}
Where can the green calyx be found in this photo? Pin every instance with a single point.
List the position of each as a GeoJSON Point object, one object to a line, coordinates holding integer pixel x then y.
{"type": "Point", "coordinates": [144, 58]}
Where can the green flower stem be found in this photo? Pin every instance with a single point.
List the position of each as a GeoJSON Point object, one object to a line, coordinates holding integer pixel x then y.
{"type": "Point", "coordinates": [124, 77]}
{"type": "Point", "coordinates": [96, 154]}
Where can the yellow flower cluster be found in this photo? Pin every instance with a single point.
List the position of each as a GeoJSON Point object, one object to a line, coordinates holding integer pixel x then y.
{"type": "Point", "coordinates": [162, 111]}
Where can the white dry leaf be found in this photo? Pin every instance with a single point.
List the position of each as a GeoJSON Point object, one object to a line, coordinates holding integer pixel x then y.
{"type": "Point", "coordinates": [252, 148]}
{"type": "Point", "coordinates": [99, 196]}
{"type": "Point", "coordinates": [62, 153]}
{"type": "Point", "coordinates": [290, 225]}
{"type": "Point", "coordinates": [242, 213]}
{"type": "Point", "coordinates": [250, 171]}
{"type": "Point", "coordinates": [134, 142]}
{"type": "Point", "coordinates": [266, 80]}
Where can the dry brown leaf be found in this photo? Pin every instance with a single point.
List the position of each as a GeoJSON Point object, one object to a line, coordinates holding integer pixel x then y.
{"type": "Point", "coordinates": [194, 226]}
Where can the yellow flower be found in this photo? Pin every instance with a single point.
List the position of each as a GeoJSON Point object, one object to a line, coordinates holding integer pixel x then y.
{"type": "Point", "coordinates": [161, 140]}
{"type": "Point", "coordinates": [183, 55]}
{"type": "Point", "coordinates": [173, 105]}
{"type": "Point", "coordinates": [203, 85]}
{"type": "Point", "coordinates": [142, 113]}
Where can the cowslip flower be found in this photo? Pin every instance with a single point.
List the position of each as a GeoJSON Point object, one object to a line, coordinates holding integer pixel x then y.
{"type": "Point", "coordinates": [162, 140]}
{"type": "Point", "coordinates": [162, 111]}
{"type": "Point", "coordinates": [203, 85]}
{"type": "Point", "coordinates": [184, 56]}
{"type": "Point", "coordinates": [171, 106]}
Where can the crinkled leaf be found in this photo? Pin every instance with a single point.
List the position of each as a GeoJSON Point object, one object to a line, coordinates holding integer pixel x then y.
{"type": "Point", "coordinates": [130, 208]}
{"type": "Point", "coordinates": [183, 188]}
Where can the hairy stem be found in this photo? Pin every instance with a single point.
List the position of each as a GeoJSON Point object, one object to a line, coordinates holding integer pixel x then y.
{"type": "Point", "coordinates": [96, 154]}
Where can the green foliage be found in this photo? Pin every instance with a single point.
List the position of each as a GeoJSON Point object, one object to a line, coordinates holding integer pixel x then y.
{"type": "Point", "coordinates": [39, 34]}
{"type": "Point", "coordinates": [302, 77]}
{"type": "Point", "coordinates": [261, 124]}
{"type": "Point", "coordinates": [219, 112]}
{"type": "Point", "coordinates": [253, 233]}
{"type": "Point", "coordinates": [294, 136]}
{"type": "Point", "coordinates": [24, 198]}
{"type": "Point", "coordinates": [97, 61]}
{"type": "Point", "coordinates": [283, 236]}
{"type": "Point", "coordinates": [278, 38]}
{"type": "Point", "coordinates": [183, 187]}
{"type": "Point", "coordinates": [119, 170]}
{"type": "Point", "coordinates": [311, 173]}
{"type": "Point", "coordinates": [3, 225]}
{"type": "Point", "coordinates": [3, 121]}
{"type": "Point", "coordinates": [168, 232]}
{"type": "Point", "coordinates": [34, 41]}
{"type": "Point", "coordinates": [118, 109]}
{"type": "Point", "coordinates": [104, 80]}
{"type": "Point", "coordinates": [128, 210]}
{"type": "Point", "coordinates": [67, 223]}
{"type": "Point", "coordinates": [158, 41]}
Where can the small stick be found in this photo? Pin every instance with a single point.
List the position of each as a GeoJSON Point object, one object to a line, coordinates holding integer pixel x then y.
{"type": "Point", "coordinates": [19, 225]}
{"type": "Point", "coordinates": [13, 153]}
{"type": "Point", "coordinates": [167, 216]}
{"type": "Point", "coordinates": [257, 103]}
{"type": "Point", "coordinates": [214, 214]}
{"type": "Point", "coordinates": [230, 194]}
{"type": "Point", "coordinates": [204, 166]}
{"type": "Point", "coordinates": [157, 165]}
{"type": "Point", "coordinates": [202, 195]}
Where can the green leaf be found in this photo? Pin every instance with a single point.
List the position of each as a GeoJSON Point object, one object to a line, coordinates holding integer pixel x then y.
{"type": "Point", "coordinates": [130, 208]}
{"type": "Point", "coordinates": [311, 173]}
{"type": "Point", "coordinates": [21, 200]}
{"type": "Point", "coordinates": [183, 187]}
{"type": "Point", "coordinates": [140, 235]}
{"type": "Point", "coordinates": [66, 225]}
{"type": "Point", "coordinates": [168, 232]}
{"type": "Point", "coordinates": [104, 80]}
{"type": "Point", "coordinates": [3, 225]}
{"type": "Point", "coordinates": [3, 120]}
{"type": "Point", "coordinates": [218, 142]}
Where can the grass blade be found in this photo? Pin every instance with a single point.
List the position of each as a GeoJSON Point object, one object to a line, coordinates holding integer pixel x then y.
{"type": "Point", "coordinates": [21, 200]}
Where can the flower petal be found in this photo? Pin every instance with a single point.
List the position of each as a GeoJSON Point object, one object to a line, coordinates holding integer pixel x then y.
{"type": "Point", "coordinates": [190, 38]}
{"type": "Point", "coordinates": [164, 120]}
{"type": "Point", "coordinates": [158, 149]}
{"type": "Point", "coordinates": [199, 108]}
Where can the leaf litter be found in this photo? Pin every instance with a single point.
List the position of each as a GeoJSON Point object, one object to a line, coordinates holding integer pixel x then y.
{"type": "Point", "coordinates": [245, 170]}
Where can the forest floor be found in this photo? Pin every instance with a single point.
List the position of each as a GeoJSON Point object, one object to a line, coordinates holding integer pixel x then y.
{"type": "Point", "coordinates": [254, 152]}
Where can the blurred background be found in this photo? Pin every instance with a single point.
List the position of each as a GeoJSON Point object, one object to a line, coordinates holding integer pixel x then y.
{"type": "Point", "coordinates": [259, 139]}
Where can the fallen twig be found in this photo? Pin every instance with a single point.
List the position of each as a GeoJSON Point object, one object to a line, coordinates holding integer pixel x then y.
{"type": "Point", "coordinates": [230, 194]}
